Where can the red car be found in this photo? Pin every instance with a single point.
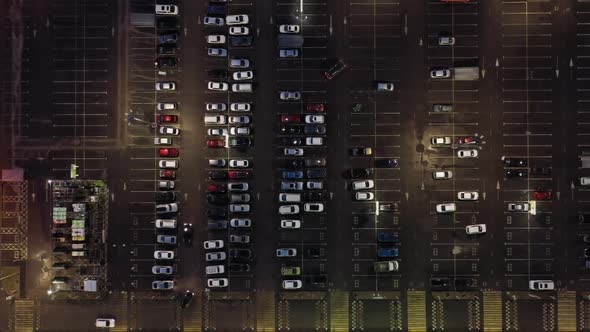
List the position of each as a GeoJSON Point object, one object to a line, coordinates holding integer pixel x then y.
{"type": "Point", "coordinates": [466, 140]}
{"type": "Point", "coordinates": [167, 118]}
{"type": "Point", "coordinates": [239, 174]}
{"type": "Point", "coordinates": [170, 152]}
{"type": "Point", "coordinates": [167, 174]}
{"type": "Point", "coordinates": [216, 188]}
{"type": "Point", "coordinates": [315, 108]}
{"type": "Point", "coordinates": [216, 143]}
{"type": "Point", "coordinates": [542, 195]}
{"type": "Point", "coordinates": [291, 118]}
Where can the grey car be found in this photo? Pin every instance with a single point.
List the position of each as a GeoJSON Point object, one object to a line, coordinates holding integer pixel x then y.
{"type": "Point", "coordinates": [315, 162]}
{"type": "Point", "coordinates": [290, 185]}
{"type": "Point", "coordinates": [314, 129]}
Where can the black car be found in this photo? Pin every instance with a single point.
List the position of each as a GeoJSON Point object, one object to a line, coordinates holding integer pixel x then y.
{"type": "Point", "coordinates": [541, 171]}
{"type": "Point", "coordinates": [292, 141]}
{"type": "Point", "coordinates": [165, 197]}
{"type": "Point", "coordinates": [386, 163]}
{"type": "Point", "coordinates": [239, 267]}
{"type": "Point", "coordinates": [187, 299]}
{"type": "Point", "coordinates": [187, 234]}
{"type": "Point", "coordinates": [356, 173]}
{"type": "Point", "coordinates": [217, 175]}
{"type": "Point", "coordinates": [311, 252]}
{"type": "Point", "coordinates": [240, 40]}
{"type": "Point", "coordinates": [439, 283]}
{"type": "Point", "coordinates": [335, 69]}
{"type": "Point", "coordinates": [514, 162]}
{"type": "Point", "coordinates": [216, 212]}
{"type": "Point", "coordinates": [167, 23]}
{"type": "Point", "coordinates": [314, 129]}
{"type": "Point", "coordinates": [390, 207]}
{"type": "Point", "coordinates": [213, 225]}
{"type": "Point", "coordinates": [361, 151]}
{"type": "Point", "coordinates": [216, 10]}
{"type": "Point", "coordinates": [166, 49]}
{"type": "Point", "coordinates": [316, 173]}
{"type": "Point", "coordinates": [218, 199]}
{"type": "Point", "coordinates": [168, 38]}
{"type": "Point", "coordinates": [290, 129]}
{"type": "Point", "coordinates": [294, 163]}
{"type": "Point", "coordinates": [217, 73]}
{"type": "Point", "coordinates": [315, 162]}
{"type": "Point", "coordinates": [240, 253]}
{"type": "Point", "coordinates": [516, 173]}
{"type": "Point", "coordinates": [464, 283]}
{"type": "Point", "coordinates": [240, 142]}
{"type": "Point", "coordinates": [165, 62]}
{"type": "Point", "coordinates": [318, 280]}
{"type": "Point", "coordinates": [314, 196]}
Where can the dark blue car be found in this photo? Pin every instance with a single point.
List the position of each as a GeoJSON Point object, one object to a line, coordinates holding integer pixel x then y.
{"type": "Point", "coordinates": [387, 237]}
{"type": "Point", "coordinates": [387, 252]}
{"type": "Point", "coordinates": [292, 174]}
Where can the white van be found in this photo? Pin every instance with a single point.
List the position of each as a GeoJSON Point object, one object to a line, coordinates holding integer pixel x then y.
{"type": "Point", "coordinates": [215, 269]}
{"type": "Point", "coordinates": [168, 164]}
{"type": "Point", "coordinates": [162, 140]}
{"type": "Point", "coordinates": [215, 119]}
{"type": "Point", "coordinates": [288, 197]}
{"type": "Point", "coordinates": [241, 87]}
{"type": "Point", "coordinates": [104, 322]}
{"type": "Point", "coordinates": [165, 223]}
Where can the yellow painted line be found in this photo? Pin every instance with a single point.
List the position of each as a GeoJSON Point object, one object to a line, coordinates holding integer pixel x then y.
{"type": "Point", "coordinates": [339, 312]}
{"type": "Point", "coordinates": [24, 315]}
{"type": "Point", "coordinates": [265, 311]}
{"type": "Point", "coordinates": [492, 311]}
{"type": "Point", "coordinates": [416, 311]}
{"type": "Point", "coordinates": [566, 311]}
{"type": "Point", "coordinates": [193, 321]}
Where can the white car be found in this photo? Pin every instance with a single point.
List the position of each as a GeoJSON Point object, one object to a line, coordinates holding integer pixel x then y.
{"type": "Point", "coordinates": [240, 223]}
{"type": "Point", "coordinates": [215, 269]}
{"type": "Point", "coordinates": [239, 31]}
{"type": "Point", "coordinates": [215, 107]}
{"type": "Point", "coordinates": [541, 285]}
{"type": "Point", "coordinates": [290, 95]}
{"type": "Point", "coordinates": [442, 175]}
{"type": "Point", "coordinates": [216, 131]}
{"type": "Point", "coordinates": [475, 229]}
{"type": "Point", "coordinates": [217, 86]}
{"type": "Point", "coordinates": [215, 256]}
{"type": "Point", "coordinates": [169, 131]}
{"type": "Point", "coordinates": [239, 163]}
{"type": "Point", "coordinates": [216, 39]}
{"type": "Point", "coordinates": [385, 86]}
{"type": "Point", "coordinates": [168, 164]}
{"type": "Point", "coordinates": [243, 75]}
{"type": "Point", "coordinates": [288, 53]}
{"type": "Point", "coordinates": [240, 107]}
{"type": "Point", "coordinates": [213, 244]}
{"type": "Point", "coordinates": [446, 41]}
{"type": "Point", "coordinates": [585, 180]}
{"type": "Point", "coordinates": [364, 196]}
{"type": "Point", "coordinates": [467, 153]}
{"type": "Point", "coordinates": [165, 86]}
{"type": "Point", "coordinates": [166, 10]}
{"type": "Point", "coordinates": [292, 284]}
{"type": "Point", "coordinates": [288, 209]}
{"type": "Point", "coordinates": [314, 141]}
{"type": "Point", "coordinates": [239, 131]}
{"type": "Point", "coordinates": [237, 186]}
{"type": "Point", "coordinates": [217, 21]}
{"type": "Point", "coordinates": [446, 208]}
{"type": "Point", "coordinates": [166, 106]}
{"type": "Point", "coordinates": [241, 87]}
{"type": "Point", "coordinates": [519, 207]}
{"type": "Point", "coordinates": [236, 19]}
{"type": "Point", "coordinates": [218, 52]}
{"type": "Point", "coordinates": [162, 141]}
{"type": "Point", "coordinates": [239, 208]}
{"type": "Point", "coordinates": [313, 207]}
{"type": "Point", "coordinates": [104, 322]}
{"type": "Point", "coordinates": [318, 185]}
{"type": "Point", "coordinates": [443, 140]}
{"type": "Point", "coordinates": [243, 119]}
{"type": "Point", "coordinates": [286, 252]}
{"type": "Point", "coordinates": [363, 184]}
{"type": "Point", "coordinates": [161, 269]}
{"type": "Point", "coordinates": [165, 223]}
{"type": "Point", "coordinates": [468, 195]}
{"type": "Point", "coordinates": [285, 28]}
{"type": "Point", "coordinates": [440, 73]}
{"type": "Point", "coordinates": [239, 63]}
{"type": "Point", "coordinates": [217, 282]}
{"type": "Point", "coordinates": [293, 152]}
{"type": "Point", "coordinates": [164, 254]}
{"type": "Point", "coordinates": [290, 223]}
{"type": "Point", "coordinates": [314, 119]}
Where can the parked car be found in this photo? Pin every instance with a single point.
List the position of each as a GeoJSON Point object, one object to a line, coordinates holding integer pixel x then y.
{"type": "Point", "coordinates": [446, 208]}
{"type": "Point", "coordinates": [475, 229]}
{"type": "Point", "coordinates": [335, 69]}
